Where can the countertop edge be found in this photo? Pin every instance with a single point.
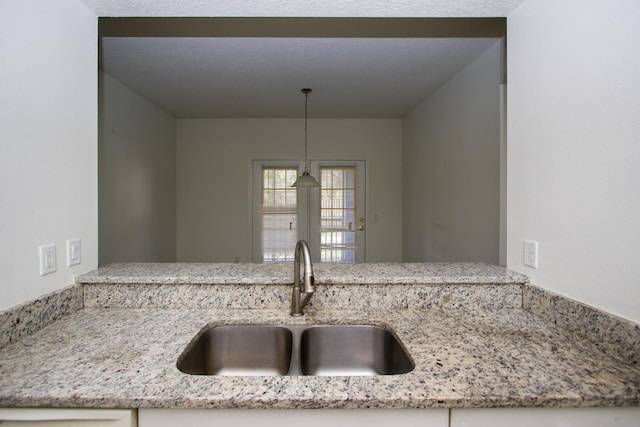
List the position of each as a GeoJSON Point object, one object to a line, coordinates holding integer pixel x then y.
{"type": "Point", "coordinates": [342, 274]}
{"type": "Point", "coordinates": [421, 403]}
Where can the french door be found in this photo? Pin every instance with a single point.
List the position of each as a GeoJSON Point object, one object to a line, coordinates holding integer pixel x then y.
{"type": "Point", "coordinates": [337, 212]}
{"type": "Point", "coordinates": [330, 218]}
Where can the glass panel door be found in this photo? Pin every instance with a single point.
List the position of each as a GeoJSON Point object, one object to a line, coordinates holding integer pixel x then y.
{"type": "Point", "coordinates": [279, 211]}
{"type": "Point", "coordinates": [330, 218]}
{"type": "Point", "coordinates": [280, 215]}
{"type": "Point", "coordinates": [337, 232]}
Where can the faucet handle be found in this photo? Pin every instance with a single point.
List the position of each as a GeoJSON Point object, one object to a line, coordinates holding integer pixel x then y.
{"type": "Point", "coordinates": [309, 285]}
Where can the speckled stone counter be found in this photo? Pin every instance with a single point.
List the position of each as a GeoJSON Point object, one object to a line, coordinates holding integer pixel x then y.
{"type": "Point", "coordinates": [329, 274]}
{"type": "Point", "coordinates": [360, 286]}
{"type": "Point", "coordinates": [126, 358]}
{"type": "Point", "coordinates": [464, 325]}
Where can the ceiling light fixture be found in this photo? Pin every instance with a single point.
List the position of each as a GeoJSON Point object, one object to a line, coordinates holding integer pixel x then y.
{"type": "Point", "coordinates": [305, 180]}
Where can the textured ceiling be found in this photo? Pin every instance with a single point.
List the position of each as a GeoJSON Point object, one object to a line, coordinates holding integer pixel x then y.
{"type": "Point", "coordinates": [290, 8]}
{"type": "Point", "coordinates": [262, 76]}
{"type": "Point", "coordinates": [249, 77]}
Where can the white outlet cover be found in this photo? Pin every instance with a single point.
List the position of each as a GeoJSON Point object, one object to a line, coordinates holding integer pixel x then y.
{"type": "Point", "coordinates": [531, 253]}
{"type": "Point", "coordinates": [73, 252]}
{"type": "Point", "coordinates": [48, 263]}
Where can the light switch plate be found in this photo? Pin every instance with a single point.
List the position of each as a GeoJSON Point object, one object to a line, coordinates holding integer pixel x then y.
{"type": "Point", "coordinates": [47, 259]}
{"type": "Point", "coordinates": [531, 253]}
{"type": "Point", "coordinates": [73, 252]}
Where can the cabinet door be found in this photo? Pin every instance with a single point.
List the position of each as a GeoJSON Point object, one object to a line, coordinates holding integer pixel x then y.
{"type": "Point", "coordinates": [293, 417]}
{"type": "Point", "coordinates": [45, 417]}
{"type": "Point", "coordinates": [546, 417]}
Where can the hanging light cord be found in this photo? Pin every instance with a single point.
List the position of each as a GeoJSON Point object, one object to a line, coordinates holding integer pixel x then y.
{"type": "Point", "coordinates": [306, 100]}
{"type": "Point", "coordinates": [306, 180]}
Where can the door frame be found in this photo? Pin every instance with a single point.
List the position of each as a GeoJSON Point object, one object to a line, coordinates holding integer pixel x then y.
{"type": "Point", "coordinates": [308, 205]}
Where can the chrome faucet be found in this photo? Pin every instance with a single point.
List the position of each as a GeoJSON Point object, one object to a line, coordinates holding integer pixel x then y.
{"type": "Point", "coordinates": [299, 299]}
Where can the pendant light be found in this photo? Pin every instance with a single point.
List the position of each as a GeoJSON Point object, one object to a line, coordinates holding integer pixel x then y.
{"type": "Point", "coordinates": [305, 180]}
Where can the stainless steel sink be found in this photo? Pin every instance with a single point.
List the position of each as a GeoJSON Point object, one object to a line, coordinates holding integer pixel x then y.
{"type": "Point", "coordinates": [338, 350]}
{"type": "Point", "coordinates": [239, 350]}
{"type": "Point", "coordinates": [352, 350]}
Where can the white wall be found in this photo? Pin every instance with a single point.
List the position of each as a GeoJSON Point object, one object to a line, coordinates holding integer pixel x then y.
{"type": "Point", "coordinates": [48, 134]}
{"type": "Point", "coordinates": [574, 148]}
{"type": "Point", "coordinates": [451, 165]}
{"type": "Point", "coordinates": [137, 199]}
{"type": "Point", "coordinates": [573, 151]}
{"type": "Point", "coordinates": [214, 170]}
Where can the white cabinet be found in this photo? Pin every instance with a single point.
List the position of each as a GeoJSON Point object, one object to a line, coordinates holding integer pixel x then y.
{"type": "Point", "coordinates": [45, 417]}
{"type": "Point", "coordinates": [546, 417]}
{"type": "Point", "coordinates": [481, 417]}
{"type": "Point", "coordinates": [293, 417]}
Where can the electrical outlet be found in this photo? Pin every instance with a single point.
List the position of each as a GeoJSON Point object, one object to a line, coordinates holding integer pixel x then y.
{"type": "Point", "coordinates": [531, 253]}
{"type": "Point", "coordinates": [47, 259]}
{"type": "Point", "coordinates": [73, 252]}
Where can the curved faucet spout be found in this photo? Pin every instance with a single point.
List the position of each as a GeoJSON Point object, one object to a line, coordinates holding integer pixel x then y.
{"type": "Point", "coordinates": [301, 297]}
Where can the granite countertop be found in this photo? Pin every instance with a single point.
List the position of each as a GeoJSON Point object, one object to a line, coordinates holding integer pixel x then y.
{"type": "Point", "coordinates": [282, 273]}
{"type": "Point", "coordinates": [126, 358]}
{"type": "Point", "coordinates": [465, 356]}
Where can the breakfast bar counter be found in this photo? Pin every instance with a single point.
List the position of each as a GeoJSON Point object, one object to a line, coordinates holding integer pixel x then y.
{"type": "Point", "coordinates": [473, 343]}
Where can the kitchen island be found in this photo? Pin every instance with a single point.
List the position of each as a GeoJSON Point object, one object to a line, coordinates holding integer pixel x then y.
{"type": "Point", "coordinates": [465, 326]}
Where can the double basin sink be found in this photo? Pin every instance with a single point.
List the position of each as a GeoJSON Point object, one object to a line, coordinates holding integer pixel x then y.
{"type": "Point", "coordinates": [324, 350]}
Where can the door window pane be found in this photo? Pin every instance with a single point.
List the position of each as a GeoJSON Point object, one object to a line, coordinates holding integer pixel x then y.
{"type": "Point", "coordinates": [279, 212]}
{"type": "Point", "coordinates": [337, 214]}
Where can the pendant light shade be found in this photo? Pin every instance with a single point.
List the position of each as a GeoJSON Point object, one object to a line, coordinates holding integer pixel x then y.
{"type": "Point", "coordinates": [306, 180]}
